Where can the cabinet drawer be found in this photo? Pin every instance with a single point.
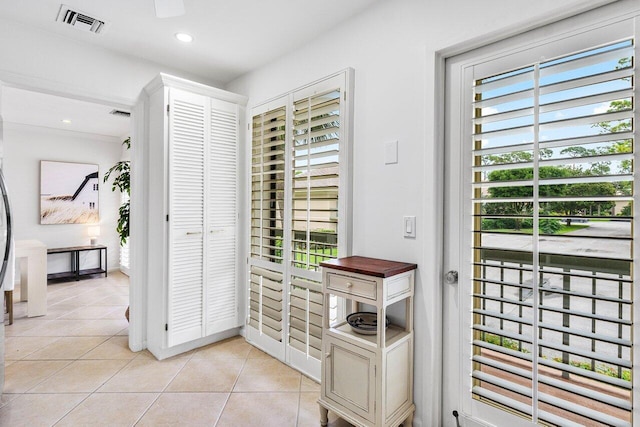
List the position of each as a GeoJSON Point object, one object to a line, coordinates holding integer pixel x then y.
{"type": "Point", "coordinates": [352, 285]}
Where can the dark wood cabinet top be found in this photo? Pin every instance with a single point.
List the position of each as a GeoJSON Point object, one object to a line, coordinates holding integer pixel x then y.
{"type": "Point", "coordinates": [369, 266]}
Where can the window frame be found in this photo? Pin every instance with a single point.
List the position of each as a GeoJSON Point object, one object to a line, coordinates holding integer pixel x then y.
{"type": "Point", "coordinates": [342, 80]}
{"type": "Point", "coordinates": [456, 63]}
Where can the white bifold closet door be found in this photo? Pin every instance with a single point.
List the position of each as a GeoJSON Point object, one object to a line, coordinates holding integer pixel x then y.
{"type": "Point", "coordinates": [202, 297]}
{"type": "Point", "coordinates": [222, 290]}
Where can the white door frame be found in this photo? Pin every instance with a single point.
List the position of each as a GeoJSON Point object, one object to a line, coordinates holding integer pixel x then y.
{"type": "Point", "coordinates": [452, 382]}
{"type": "Point", "coordinates": [437, 406]}
{"type": "Point", "coordinates": [136, 322]}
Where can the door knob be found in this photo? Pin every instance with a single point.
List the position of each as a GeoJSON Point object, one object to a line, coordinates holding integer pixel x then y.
{"type": "Point", "coordinates": [451, 277]}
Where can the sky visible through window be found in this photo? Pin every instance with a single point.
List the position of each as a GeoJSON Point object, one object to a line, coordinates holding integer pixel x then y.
{"type": "Point", "coordinates": [513, 93]}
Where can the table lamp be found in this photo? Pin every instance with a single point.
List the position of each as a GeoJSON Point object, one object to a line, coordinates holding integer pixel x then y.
{"type": "Point", "coordinates": [94, 232]}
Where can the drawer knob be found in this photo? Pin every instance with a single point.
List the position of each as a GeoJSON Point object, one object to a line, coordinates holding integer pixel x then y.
{"type": "Point", "coordinates": [349, 284]}
{"type": "Point", "coordinates": [327, 355]}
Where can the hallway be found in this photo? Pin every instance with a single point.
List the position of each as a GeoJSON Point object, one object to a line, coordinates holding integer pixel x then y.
{"type": "Point", "coordinates": [73, 368]}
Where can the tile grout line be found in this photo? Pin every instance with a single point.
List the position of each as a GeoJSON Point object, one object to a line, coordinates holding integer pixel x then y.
{"type": "Point", "coordinates": [28, 354]}
{"type": "Point", "coordinates": [77, 358]}
{"type": "Point", "coordinates": [144, 410]}
{"type": "Point", "coordinates": [70, 409]}
{"type": "Point", "coordinates": [226, 401]}
{"type": "Point", "coordinates": [69, 362]}
{"type": "Point", "coordinates": [59, 338]}
{"type": "Point", "coordinates": [96, 389]}
{"type": "Point", "coordinates": [299, 400]}
{"type": "Point", "coordinates": [163, 390]}
{"type": "Point", "coordinates": [147, 409]}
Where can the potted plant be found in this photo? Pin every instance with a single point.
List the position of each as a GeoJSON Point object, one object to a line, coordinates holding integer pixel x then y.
{"type": "Point", "coordinates": [122, 181]}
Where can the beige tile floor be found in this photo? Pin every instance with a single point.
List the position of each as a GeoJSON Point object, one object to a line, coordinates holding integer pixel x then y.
{"type": "Point", "coordinates": [73, 367]}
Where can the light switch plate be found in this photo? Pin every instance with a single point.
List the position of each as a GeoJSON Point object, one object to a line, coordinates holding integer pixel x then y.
{"type": "Point", "coordinates": [391, 153]}
{"type": "Point", "coordinates": [409, 226]}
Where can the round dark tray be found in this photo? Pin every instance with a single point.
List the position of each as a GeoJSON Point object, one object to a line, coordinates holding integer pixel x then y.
{"type": "Point", "coordinates": [364, 322]}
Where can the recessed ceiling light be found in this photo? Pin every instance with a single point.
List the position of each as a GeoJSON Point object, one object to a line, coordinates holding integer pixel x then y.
{"type": "Point", "coordinates": [66, 121]}
{"type": "Point", "coordinates": [184, 37]}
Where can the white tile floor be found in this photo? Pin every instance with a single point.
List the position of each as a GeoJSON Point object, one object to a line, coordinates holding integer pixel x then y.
{"type": "Point", "coordinates": [73, 367]}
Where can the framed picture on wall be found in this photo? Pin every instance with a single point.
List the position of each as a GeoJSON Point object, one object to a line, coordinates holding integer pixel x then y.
{"type": "Point", "coordinates": [68, 193]}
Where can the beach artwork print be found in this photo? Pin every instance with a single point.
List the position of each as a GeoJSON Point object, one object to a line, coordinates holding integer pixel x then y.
{"type": "Point", "coordinates": [68, 193]}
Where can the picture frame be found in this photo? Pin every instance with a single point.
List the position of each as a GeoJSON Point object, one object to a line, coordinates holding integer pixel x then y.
{"type": "Point", "coordinates": [69, 193]}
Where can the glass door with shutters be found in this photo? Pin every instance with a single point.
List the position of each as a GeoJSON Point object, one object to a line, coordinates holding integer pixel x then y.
{"type": "Point", "coordinates": [266, 258]}
{"type": "Point", "coordinates": [546, 245]}
{"type": "Point", "coordinates": [299, 217]}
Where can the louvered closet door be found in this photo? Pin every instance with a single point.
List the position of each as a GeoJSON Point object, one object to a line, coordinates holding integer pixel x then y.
{"type": "Point", "coordinates": [221, 288]}
{"type": "Point", "coordinates": [188, 124]}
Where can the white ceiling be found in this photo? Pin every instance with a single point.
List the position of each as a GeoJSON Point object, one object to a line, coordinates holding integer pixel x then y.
{"type": "Point", "coordinates": [231, 38]}
{"type": "Point", "coordinates": [39, 109]}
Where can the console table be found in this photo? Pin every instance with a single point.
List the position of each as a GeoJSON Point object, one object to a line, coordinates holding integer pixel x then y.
{"type": "Point", "coordinates": [75, 272]}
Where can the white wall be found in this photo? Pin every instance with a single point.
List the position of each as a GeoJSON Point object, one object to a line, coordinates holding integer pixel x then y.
{"type": "Point", "coordinates": [392, 48]}
{"type": "Point", "coordinates": [38, 59]}
{"type": "Point", "coordinates": [24, 147]}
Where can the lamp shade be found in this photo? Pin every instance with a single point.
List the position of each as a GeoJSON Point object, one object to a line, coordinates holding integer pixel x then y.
{"type": "Point", "coordinates": [93, 231]}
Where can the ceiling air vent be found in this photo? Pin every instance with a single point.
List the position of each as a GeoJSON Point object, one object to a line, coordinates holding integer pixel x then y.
{"type": "Point", "coordinates": [80, 20]}
{"type": "Point", "coordinates": [120, 113]}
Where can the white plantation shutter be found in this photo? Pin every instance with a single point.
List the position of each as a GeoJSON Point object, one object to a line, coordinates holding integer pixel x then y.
{"type": "Point", "coordinates": [315, 174]}
{"type": "Point", "coordinates": [316, 156]}
{"type": "Point", "coordinates": [305, 316]}
{"type": "Point", "coordinates": [299, 216]}
{"type": "Point", "coordinates": [187, 126]}
{"type": "Point", "coordinates": [266, 302]}
{"type": "Point", "coordinates": [267, 220]}
{"type": "Point", "coordinates": [221, 288]}
{"type": "Point", "coordinates": [267, 185]}
{"type": "Point", "coordinates": [552, 318]}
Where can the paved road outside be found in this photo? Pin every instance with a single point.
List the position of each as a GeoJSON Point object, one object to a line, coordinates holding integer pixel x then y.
{"type": "Point", "coordinates": [574, 243]}
{"type": "Point", "coordinates": [581, 246]}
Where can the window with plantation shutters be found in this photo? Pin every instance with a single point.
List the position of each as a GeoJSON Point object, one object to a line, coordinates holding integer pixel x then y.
{"type": "Point", "coordinates": [299, 216]}
{"type": "Point", "coordinates": [315, 176]}
{"type": "Point", "coordinates": [267, 221]}
{"type": "Point", "coordinates": [267, 185]}
{"type": "Point", "coordinates": [552, 259]}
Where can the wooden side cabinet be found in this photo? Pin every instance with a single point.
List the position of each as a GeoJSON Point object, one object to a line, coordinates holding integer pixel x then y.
{"type": "Point", "coordinates": [367, 379]}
